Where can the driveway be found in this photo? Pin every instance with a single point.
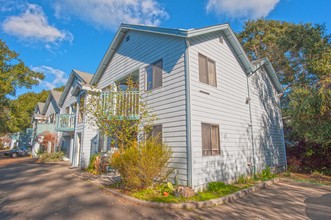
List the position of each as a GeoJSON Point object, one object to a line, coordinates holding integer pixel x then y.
{"type": "Point", "coordinates": [30, 190]}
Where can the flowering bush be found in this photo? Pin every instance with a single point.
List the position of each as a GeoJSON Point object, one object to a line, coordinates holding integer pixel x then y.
{"type": "Point", "coordinates": [140, 164]}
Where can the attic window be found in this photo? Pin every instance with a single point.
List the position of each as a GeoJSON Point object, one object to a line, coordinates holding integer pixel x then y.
{"type": "Point", "coordinates": [127, 38]}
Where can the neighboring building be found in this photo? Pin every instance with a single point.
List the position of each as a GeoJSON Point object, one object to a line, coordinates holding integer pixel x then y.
{"type": "Point", "coordinates": [44, 119]}
{"type": "Point", "coordinates": [37, 117]}
{"type": "Point", "coordinates": [76, 134]}
{"type": "Point", "coordinates": [217, 111]}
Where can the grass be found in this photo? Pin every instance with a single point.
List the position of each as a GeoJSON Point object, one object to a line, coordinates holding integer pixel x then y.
{"type": "Point", "coordinates": [156, 193]}
{"type": "Point", "coordinates": [162, 193]}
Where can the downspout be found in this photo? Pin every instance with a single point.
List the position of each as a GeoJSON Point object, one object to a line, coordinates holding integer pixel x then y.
{"type": "Point", "coordinates": [188, 114]}
{"type": "Point", "coordinates": [282, 129]}
{"type": "Point", "coordinates": [251, 122]}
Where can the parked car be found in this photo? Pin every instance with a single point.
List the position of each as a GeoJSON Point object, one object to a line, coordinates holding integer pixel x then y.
{"type": "Point", "coordinates": [21, 151]}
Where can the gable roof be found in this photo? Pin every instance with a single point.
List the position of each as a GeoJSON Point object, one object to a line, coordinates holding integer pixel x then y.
{"type": "Point", "coordinates": [56, 95]}
{"type": "Point", "coordinates": [84, 76]}
{"type": "Point", "coordinates": [182, 33]}
{"type": "Point", "coordinates": [52, 95]}
{"type": "Point", "coordinates": [40, 106]}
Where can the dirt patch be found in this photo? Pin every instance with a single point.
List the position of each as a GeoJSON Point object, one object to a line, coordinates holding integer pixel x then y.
{"type": "Point", "coordinates": [313, 178]}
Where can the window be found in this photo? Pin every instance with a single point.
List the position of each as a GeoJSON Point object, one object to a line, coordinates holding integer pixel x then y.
{"type": "Point", "coordinates": [155, 132]}
{"type": "Point", "coordinates": [210, 139]}
{"type": "Point", "coordinates": [154, 75]}
{"type": "Point", "coordinates": [207, 70]}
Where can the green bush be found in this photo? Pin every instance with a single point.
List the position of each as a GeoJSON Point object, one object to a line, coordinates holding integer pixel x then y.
{"type": "Point", "coordinates": [52, 157]}
{"type": "Point", "coordinates": [143, 163]}
{"type": "Point", "coordinates": [265, 174]}
{"type": "Point", "coordinates": [95, 165]}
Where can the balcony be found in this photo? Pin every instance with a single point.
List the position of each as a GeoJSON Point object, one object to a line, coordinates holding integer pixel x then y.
{"type": "Point", "coordinates": [121, 104]}
{"type": "Point", "coordinates": [43, 127]}
{"type": "Point", "coordinates": [65, 122]}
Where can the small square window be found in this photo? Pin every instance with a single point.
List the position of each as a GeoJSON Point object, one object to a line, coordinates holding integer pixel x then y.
{"type": "Point", "coordinates": [210, 139]}
{"type": "Point", "coordinates": [127, 38]}
{"type": "Point", "coordinates": [154, 75]}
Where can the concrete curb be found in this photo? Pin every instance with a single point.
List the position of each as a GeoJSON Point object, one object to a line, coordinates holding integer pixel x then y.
{"type": "Point", "coordinates": [196, 205]}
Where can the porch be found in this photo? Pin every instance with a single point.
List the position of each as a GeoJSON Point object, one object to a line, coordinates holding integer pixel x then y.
{"type": "Point", "coordinates": [43, 127]}
{"type": "Point", "coordinates": [121, 104]}
{"type": "Point", "coordinates": [65, 122]}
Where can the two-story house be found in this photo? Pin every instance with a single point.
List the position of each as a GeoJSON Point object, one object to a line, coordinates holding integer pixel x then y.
{"type": "Point", "coordinates": [76, 134]}
{"type": "Point", "coordinates": [217, 111]}
{"type": "Point", "coordinates": [44, 119]}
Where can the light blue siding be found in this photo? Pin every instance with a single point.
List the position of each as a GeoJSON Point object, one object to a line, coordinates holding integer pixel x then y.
{"type": "Point", "coordinates": [267, 122]}
{"type": "Point", "coordinates": [226, 106]}
{"type": "Point", "coordinates": [168, 101]}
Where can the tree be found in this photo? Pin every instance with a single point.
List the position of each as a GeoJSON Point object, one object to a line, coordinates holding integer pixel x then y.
{"type": "Point", "coordinates": [301, 56]}
{"type": "Point", "coordinates": [13, 75]}
{"type": "Point", "coordinates": [22, 109]}
{"type": "Point", "coordinates": [310, 112]}
{"type": "Point", "coordinates": [119, 115]}
{"type": "Point", "coordinates": [295, 50]}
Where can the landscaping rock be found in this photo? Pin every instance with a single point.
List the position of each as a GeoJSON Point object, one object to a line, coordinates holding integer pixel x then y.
{"type": "Point", "coordinates": [186, 191]}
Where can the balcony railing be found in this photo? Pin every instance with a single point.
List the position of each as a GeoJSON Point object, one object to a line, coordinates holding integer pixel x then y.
{"type": "Point", "coordinates": [65, 122]}
{"type": "Point", "coordinates": [122, 104]}
{"type": "Point", "coordinates": [43, 127]}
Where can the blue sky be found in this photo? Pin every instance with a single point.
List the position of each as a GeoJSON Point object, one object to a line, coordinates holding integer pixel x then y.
{"type": "Point", "coordinates": [56, 36]}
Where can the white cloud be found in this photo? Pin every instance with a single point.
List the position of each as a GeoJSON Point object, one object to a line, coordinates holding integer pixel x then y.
{"type": "Point", "coordinates": [53, 77]}
{"type": "Point", "coordinates": [241, 8]}
{"type": "Point", "coordinates": [109, 14]}
{"type": "Point", "coordinates": [32, 24]}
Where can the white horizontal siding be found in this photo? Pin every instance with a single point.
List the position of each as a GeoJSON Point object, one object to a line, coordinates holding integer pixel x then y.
{"type": "Point", "coordinates": [52, 108]}
{"type": "Point", "coordinates": [168, 101]}
{"type": "Point", "coordinates": [69, 99]}
{"type": "Point", "coordinates": [225, 105]}
{"type": "Point", "coordinates": [267, 122]}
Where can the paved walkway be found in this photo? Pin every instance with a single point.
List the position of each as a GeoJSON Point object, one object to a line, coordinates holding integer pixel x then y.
{"type": "Point", "coordinates": [30, 190]}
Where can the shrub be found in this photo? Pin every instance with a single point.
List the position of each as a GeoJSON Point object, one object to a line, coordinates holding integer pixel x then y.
{"type": "Point", "coordinates": [318, 176]}
{"type": "Point", "coordinates": [243, 180]}
{"type": "Point", "coordinates": [94, 165]}
{"type": "Point", "coordinates": [141, 164]}
{"type": "Point", "coordinates": [265, 174]}
{"type": "Point", "coordinates": [52, 157]}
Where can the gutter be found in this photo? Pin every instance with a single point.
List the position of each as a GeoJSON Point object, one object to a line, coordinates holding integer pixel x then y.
{"type": "Point", "coordinates": [188, 114]}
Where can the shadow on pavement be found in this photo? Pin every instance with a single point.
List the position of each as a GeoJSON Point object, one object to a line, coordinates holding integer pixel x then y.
{"type": "Point", "coordinates": [319, 208]}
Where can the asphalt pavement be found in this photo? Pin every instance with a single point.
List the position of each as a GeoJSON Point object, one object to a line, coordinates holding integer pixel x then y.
{"type": "Point", "coordinates": [31, 190]}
